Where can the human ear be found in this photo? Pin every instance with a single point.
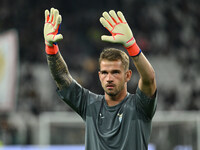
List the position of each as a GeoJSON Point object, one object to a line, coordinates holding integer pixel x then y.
{"type": "Point", "coordinates": [128, 75]}
{"type": "Point", "coordinates": [99, 73]}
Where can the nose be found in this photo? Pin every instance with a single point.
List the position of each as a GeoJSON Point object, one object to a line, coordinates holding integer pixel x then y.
{"type": "Point", "coordinates": [109, 78]}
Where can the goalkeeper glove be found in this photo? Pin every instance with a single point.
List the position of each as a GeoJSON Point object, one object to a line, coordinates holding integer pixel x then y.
{"type": "Point", "coordinates": [51, 30]}
{"type": "Point", "coordinates": [120, 31]}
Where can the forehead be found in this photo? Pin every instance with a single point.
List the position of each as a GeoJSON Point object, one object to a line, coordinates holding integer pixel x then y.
{"type": "Point", "coordinates": [111, 65]}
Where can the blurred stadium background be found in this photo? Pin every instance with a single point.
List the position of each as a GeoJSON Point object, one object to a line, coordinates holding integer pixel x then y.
{"type": "Point", "coordinates": [31, 114]}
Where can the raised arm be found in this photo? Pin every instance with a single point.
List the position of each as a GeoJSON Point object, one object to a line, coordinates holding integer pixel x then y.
{"type": "Point", "coordinates": [147, 81]}
{"type": "Point", "coordinates": [117, 25]}
{"type": "Point", "coordinates": [56, 63]}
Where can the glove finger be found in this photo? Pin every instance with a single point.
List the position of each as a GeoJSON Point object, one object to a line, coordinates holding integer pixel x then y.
{"type": "Point", "coordinates": [46, 15]}
{"type": "Point", "coordinates": [114, 16]}
{"type": "Point", "coordinates": [55, 14]}
{"type": "Point", "coordinates": [51, 15]}
{"type": "Point", "coordinates": [107, 38]}
{"type": "Point", "coordinates": [105, 24]}
{"type": "Point", "coordinates": [108, 18]}
{"type": "Point", "coordinates": [58, 21]}
{"type": "Point", "coordinates": [58, 37]}
{"type": "Point", "coordinates": [121, 16]}
{"type": "Point", "coordinates": [54, 38]}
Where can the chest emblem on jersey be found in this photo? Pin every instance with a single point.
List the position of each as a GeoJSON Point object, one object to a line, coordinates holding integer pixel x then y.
{"type": "Point", "coordinates": [120, 117]}
{"type": "Point", "coordinates": [101, 116]}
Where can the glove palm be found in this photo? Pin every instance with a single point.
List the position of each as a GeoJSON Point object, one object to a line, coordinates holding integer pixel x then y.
{"type": "Point", "coordinates": [51, 27]}
{"type": "Point", "coordinates": [116, 24]}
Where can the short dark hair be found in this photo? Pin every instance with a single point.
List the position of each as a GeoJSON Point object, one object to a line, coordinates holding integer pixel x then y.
{"type": "Point", "coordinates": [113, 54]}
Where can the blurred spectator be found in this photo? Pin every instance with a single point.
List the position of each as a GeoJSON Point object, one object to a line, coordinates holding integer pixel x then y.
{"type": "Point", "coordinates": [162, 28]}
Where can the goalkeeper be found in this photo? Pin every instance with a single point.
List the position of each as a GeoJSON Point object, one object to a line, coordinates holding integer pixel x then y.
{"type": "Point", "coordinates": [117, 120]}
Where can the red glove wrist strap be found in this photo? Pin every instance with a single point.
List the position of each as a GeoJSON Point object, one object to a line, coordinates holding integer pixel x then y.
{"type": "Point", "coordinates": [51, 50]}
{"type": "Point", "coordinates": [133, 50]}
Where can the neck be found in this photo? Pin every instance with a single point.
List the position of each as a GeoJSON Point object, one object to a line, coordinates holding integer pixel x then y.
{"type": "Point", "coordinates": [116, 99]}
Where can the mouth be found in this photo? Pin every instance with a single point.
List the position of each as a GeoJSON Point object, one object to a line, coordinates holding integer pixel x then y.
{"type": "Point", "coordinates": [110, 86]}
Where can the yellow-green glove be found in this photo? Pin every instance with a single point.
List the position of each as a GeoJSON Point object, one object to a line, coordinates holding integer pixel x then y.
{"type": "Point", "coordinates": [51, 30]}
{"type": "Point", "coordinates": [121, 33]}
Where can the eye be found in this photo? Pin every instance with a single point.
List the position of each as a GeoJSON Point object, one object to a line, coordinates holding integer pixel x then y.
{"type": "Point", "coordinates": [104, 72]}
{"type": "Point", "coordinates": [115, 72]}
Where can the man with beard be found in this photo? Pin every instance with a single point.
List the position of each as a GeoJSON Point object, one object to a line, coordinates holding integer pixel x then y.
{"type": "Point", "coordinates": [116, 120]}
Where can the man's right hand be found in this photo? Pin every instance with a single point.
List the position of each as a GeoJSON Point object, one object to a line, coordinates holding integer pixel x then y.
{"type": "Point", "coordinates": [51, 30]}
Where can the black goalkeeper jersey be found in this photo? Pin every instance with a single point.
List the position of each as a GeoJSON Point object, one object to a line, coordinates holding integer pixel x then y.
{"type": "Point", "coordinates": [125, 126]}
